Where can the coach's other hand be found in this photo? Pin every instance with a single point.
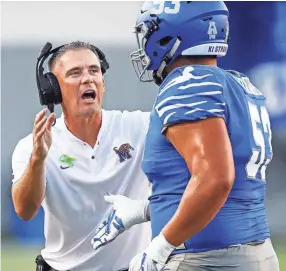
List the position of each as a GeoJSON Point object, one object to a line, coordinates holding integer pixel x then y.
{"type": "Point", "coordinates": [42, 138]}
{"type": "Point", "coordinates": [126, 213]}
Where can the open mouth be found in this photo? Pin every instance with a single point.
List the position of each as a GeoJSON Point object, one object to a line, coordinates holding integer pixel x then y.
{"type": "Point", "coordinates": [88, 95]}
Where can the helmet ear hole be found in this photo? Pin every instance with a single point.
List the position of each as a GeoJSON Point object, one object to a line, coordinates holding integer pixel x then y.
{"type": "Point", "coordinates": [207, 19]}
{"type": "Point", "coordinates": [164, 41]}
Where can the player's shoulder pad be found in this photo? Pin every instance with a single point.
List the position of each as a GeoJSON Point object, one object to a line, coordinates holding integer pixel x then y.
{"type": "Point", "coordinates": [192, 79]}
{"type": "Point", "coordinates": [192, 93]}
{"type": "Point", "coordinates": [236, 73]}
{"type": "Point", "coordinates": [247, 85]}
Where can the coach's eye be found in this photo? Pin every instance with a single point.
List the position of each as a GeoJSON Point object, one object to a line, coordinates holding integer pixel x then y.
{"type": "Point", "coordinates": [94, 70]}
{"type": "Point", "coordinates": [75, 73]}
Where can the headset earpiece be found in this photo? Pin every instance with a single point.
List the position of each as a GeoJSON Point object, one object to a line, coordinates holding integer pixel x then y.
{"type": "Point", "coordinates": [103, 62]}
{"type": "Point", "coordinates": [56, 95]}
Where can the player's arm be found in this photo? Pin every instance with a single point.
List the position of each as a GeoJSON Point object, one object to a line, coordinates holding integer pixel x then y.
{"type": "Point", "coordinates": [206, 148]}
{"type": "Point", "coordinates": [193, 112]}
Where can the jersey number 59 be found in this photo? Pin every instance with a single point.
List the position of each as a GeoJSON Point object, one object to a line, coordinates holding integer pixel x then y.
{"type": "Point", "coordinates": [262, 152]}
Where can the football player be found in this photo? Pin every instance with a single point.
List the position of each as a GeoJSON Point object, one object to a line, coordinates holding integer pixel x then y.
{"type": "Point", "coordinates": [206, 152]}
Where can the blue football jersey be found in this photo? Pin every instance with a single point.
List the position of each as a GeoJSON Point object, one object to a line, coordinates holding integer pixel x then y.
{"type": "Point", "coordinates": [197, 92]}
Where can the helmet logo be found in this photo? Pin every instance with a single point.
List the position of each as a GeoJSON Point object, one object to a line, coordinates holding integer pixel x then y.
{"type": "Point", "coordinates": [212, 31]}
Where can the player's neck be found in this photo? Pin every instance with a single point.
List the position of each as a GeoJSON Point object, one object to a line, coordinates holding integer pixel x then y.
{"type": "Point", "coordinates": [86, 128]}
{"type": "Point", "coordinates": [184, 61]}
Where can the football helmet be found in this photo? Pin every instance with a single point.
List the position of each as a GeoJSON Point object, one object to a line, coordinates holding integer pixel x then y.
{"type": "Point", "coordinates": [167, 29]}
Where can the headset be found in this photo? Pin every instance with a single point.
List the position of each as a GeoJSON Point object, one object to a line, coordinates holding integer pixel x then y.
{"type": "Point", "coordinates": [47, 83]}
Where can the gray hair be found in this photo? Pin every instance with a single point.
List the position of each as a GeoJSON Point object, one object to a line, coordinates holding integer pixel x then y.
{"type": "Point", "coordinates": [75, 45]}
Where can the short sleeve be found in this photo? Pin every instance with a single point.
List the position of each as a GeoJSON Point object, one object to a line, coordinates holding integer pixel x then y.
{"type": "Point", "coordinates": [190, 97]}
{"type": "Point", "coordinates": [138, 120]}
{"type": "Point", "coordinates": [21, 157]}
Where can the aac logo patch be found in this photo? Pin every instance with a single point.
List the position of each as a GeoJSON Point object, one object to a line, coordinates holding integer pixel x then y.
{"type": "Point", "coordinates": [212, 31]}
{"type": "Point", "coordinates": [123, 152]}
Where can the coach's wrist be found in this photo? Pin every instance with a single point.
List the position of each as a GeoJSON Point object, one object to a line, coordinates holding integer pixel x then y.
{"type": "Point", "coordinates": [37, 159]}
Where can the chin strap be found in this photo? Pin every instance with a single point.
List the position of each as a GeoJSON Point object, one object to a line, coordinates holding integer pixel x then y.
{"type": "Point", "coordinates": [157, 75]}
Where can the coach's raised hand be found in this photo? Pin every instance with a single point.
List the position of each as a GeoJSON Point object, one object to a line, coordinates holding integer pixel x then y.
{"type": "Point", "coordinates": [42, 137]}
{"type": "Point", "coordinates": [29, 190]}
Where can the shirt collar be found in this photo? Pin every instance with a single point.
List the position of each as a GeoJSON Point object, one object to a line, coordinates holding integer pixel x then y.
{"type": "Point", "coordinates": [72, 137]}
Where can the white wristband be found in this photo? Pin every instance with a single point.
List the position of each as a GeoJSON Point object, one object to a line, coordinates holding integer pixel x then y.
{"type": "Point", "coordinates": [160, 249]}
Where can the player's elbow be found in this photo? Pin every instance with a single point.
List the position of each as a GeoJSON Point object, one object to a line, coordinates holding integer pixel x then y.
{"type": "Point", "coordinates": [224, 186]}
{"type": "Point", "coordinates": [222, 183]}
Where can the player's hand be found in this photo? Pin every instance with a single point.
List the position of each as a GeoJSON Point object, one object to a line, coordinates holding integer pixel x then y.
{"type": "Point", "coordinates": [42, 136]}
{"type": "Point", "coordinates": [126, 213]}
{"type": "Point", "coordinates": [154, 257]}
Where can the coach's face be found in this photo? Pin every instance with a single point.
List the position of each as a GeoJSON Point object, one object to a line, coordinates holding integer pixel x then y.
{"type": "Point", "coordinates": [81, 82]}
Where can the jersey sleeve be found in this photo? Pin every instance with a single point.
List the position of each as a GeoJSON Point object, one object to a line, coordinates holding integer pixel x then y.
{"type": "Point", "coordinates": [197, 98]}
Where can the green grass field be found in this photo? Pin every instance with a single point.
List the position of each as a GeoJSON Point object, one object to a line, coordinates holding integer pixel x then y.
{"type": "Point", "coordinates": [282, 259]}
{"type": "Point", "coordinates": [16, 258]}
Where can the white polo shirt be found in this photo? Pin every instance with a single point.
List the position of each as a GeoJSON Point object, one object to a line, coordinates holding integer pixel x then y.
{"type": "Point", "coordinates": [74, 205]}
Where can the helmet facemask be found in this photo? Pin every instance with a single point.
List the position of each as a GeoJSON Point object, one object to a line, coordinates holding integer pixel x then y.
{"type": "Point", "coordinates": [140, 61]}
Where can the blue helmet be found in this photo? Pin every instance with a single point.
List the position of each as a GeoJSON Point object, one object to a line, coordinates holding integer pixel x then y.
{"type": "Point", "coordinates": [167, 29]}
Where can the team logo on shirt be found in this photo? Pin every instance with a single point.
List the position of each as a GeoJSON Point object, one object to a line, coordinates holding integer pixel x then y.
{"type": "Point", "coordinates": [123, 152]}
{"type": "Point", "coordinates": [67, 160]}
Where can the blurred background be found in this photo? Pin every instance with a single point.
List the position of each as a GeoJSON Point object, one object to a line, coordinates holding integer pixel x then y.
{"type": "Point", "coordinates": [257, 48]}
